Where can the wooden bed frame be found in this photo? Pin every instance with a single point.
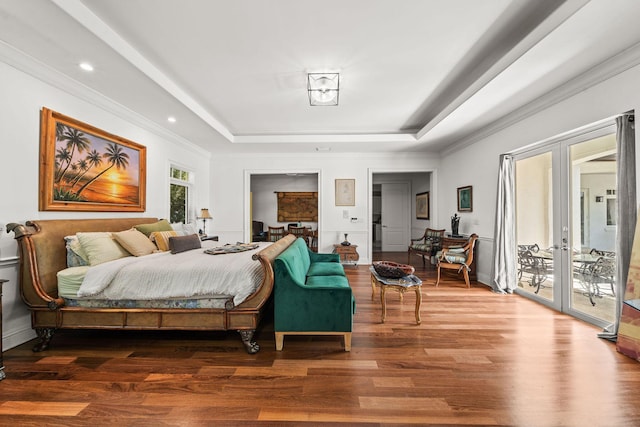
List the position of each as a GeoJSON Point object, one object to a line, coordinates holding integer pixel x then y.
{"type": "Point", "coordinates": [43, 253]}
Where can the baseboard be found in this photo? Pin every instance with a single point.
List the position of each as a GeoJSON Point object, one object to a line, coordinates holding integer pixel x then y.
{"type": "Point", "coordinates": [15, 338]}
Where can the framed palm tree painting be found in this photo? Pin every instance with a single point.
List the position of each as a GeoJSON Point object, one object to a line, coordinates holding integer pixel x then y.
{"type": "Point", "coordinates": [83, 168]}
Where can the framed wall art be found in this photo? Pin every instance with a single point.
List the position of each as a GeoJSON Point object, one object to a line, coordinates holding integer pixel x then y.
{"type": "Point", "coordinates": [465, 199]}
{"type": "Point", "coordinates": [297, 206]}
{"type": "Point", "coordinates": [345, 192]}
{"type": "Point", "coordinates": [83, 168]}
{"type": "Point", "coordinates": [422, 205]}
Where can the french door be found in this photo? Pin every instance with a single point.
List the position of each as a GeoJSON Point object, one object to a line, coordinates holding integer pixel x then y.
{"type": "Point", "coordinates": [565, 224]}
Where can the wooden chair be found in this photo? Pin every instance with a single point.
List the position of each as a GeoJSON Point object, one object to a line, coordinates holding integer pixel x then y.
{"type": "Point", "coordinates": [312, 239]}
{"type": "Point", "coordinates": [297, 231]}
{"type": "Point", "coordinates": [427, 245]}
{"type": "Point", "coordinates": [459, 259]}
{"type": "Point", "coordinates": [275, 233]}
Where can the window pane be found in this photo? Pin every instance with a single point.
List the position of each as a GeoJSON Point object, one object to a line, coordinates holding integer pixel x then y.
{"type": "Point", "coordinates": [178, 207]}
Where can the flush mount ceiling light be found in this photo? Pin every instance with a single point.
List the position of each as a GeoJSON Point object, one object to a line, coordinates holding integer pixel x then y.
{"type": "Point", "coordinates": [323, 88]}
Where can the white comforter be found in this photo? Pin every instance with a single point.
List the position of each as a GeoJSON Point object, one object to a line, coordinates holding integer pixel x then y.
{"type": "Point", "coordinates": [185, 275]}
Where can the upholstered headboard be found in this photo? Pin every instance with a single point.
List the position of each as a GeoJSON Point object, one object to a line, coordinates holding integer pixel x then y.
{"type": "Point", "coordinates": [42, 251]}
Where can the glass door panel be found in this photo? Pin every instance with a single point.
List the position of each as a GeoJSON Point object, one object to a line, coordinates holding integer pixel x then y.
{"type": "Point", "coordinates": [535, 225]}
{"type": "Point", "coordinates": [593, 232]}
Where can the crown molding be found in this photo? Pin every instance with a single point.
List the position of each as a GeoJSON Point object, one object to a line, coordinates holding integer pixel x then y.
{"type": "Point", "coordinates": [37, 69]}
{"type": "Point", "coordinates": [602, 72]}
{"type": "Point", "coordinates": [324, 138]}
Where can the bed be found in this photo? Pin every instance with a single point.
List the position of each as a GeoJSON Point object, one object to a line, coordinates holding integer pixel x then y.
{"type": "Point", "coordinates": [43, 254]}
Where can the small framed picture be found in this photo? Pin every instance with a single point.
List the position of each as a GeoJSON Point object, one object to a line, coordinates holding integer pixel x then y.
{"type": "Point", "coordinates": [345, 192]}
{"type": "Point", "coordinates": [422, 205]}
{"type": "Point", "coordinates": [465, 199]}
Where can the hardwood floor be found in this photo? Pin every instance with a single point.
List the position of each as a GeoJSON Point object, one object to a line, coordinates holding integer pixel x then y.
{"type": "Point", "coordinates": [477, 358]}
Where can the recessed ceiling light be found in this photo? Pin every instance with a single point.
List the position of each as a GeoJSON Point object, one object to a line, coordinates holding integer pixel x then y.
{"type": "Point", "coordinates": [171, 119]}
{"type": "Point", "coordinates": [86, 66]}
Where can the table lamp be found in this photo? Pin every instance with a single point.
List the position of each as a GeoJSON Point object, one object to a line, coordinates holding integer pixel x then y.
{"type": "Point", "coordinates": [204, 216]}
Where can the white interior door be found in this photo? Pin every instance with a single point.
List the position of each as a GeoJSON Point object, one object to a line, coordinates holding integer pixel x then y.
{"type": "Point", "coordinates": [395, 216]}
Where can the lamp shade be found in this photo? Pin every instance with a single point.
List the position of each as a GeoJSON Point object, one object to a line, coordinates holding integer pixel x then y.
{"type": "Point", "coordinates": [323, 88]}
{"type": "Point", "coordinates": [204, 214]}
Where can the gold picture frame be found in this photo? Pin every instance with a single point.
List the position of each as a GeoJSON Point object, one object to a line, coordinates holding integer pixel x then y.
{"type": "Point", "coordinates": [422, 205]}
{"type": "Point", "coordinates": [345, 192]}
{"type": "Point", "coordinates": [83, 168]}
{"type": "Point", "coordinates": [465, 199]}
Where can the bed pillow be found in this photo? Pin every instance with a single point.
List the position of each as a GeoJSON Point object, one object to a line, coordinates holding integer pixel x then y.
{"type": "Point", "coordinates": [70, 279]}
{"type": "Point", "coordinates": [184, 229]}
{"type": "Point", "coordinates": [179, 244]}
{"type": "Point", "coordinates": [136, 243]}
{"type": "Point", "coordinates": [101, 247]}
{"type": "Point", "coordinates": [147, 229]}
{"type": "Point", "coordinates": [161, 239]}
{"type": "Point", "coordinates": [76, 257]}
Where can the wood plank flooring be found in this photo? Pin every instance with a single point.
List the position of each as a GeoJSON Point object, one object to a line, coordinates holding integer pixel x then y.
{"type": "Point", "coordinates": [478, 358]}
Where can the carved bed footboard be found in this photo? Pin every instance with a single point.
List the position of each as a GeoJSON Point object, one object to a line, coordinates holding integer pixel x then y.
{"type": "Point", "coordinates": [42, 254]}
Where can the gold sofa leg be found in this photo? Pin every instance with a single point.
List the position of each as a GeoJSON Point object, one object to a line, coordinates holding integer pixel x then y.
{"type": "Point", "coordinates": [347, 341]}
{"type": "Point", "coordinates": [279, 341]}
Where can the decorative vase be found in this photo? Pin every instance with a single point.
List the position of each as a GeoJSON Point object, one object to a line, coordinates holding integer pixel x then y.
{"type": "Point", "coordinates": [346, 242]}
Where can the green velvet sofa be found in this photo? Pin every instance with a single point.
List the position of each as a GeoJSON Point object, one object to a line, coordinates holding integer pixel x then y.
{"type": "Point", "coordinates": [312, 295]}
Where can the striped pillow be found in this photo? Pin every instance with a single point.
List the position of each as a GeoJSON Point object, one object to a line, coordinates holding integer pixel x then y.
{"type": "Point", "coordinates": [161, 239]}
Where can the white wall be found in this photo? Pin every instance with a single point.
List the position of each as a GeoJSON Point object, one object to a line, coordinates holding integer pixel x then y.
{"type": "Point", "coordinates": [481, 159]}
{"type": "Point", "coordinates": [230, 174]}
{"type": "Point", "coordinates": [533, 176]}
{"type": "Point", "coordinates": [22, 98]}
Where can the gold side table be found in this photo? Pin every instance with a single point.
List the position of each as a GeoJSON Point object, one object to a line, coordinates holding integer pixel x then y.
{"type": "Point", "coordinates": [401, 285]}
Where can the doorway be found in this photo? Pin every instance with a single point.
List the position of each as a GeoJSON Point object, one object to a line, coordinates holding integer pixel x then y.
{"type": "Point", "coordinates": [263, 203]}
{"type": "Point", "coordinates": [565, 197]}
{"type": "Point", "coordinates": [392, 221]}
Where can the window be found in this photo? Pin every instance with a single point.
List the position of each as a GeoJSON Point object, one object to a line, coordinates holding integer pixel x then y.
{"type": "Point", "coordinates": [180, 189]}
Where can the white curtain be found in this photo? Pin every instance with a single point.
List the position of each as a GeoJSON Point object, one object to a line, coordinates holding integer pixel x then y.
{"type": "Point", "coordinates": [626, 198]}
{"type": "Point", "coordinates": [504, 252]}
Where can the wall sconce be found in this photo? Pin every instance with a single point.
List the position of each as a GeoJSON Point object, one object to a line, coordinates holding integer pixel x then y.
{"type": "Point", "coordinates": [204, 216]}
{"type": "Point", "coordinates": [323, 88]}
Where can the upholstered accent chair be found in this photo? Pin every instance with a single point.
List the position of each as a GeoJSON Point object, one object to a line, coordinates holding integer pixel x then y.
{"type": "Point", "coordinates": [275, 233]}
{"type": "Point", "coordinates": [427, 245]}
{"type": "Point", "coordinates": [459, 259]}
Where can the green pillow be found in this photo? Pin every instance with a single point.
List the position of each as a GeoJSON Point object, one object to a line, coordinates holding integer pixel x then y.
{"type": "Point", "coordinates": [147, 229]}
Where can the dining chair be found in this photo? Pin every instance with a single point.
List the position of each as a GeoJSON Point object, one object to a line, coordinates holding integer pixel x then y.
{"type": "Point", "coordinates": [297, 231]}
{"type": "Point", "coordinates": [601, 271]}
{"type": "Point", "coordinates": [275, 233]}
{"type": "Point", "coordinates": [312, 239]}
{"type": "Point", "coordinates": [525, 259]}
